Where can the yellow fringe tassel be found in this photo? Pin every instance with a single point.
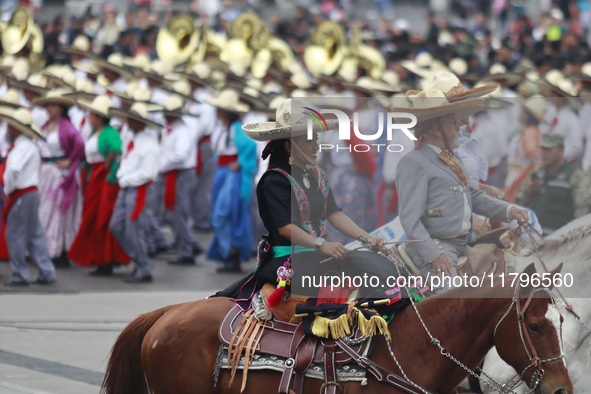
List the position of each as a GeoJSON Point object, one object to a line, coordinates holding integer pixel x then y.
{"type": "Point", "coordinates": [375, 325]}
{"type": "Point", "coordinates": [324, 327]}
{"type": "Point", "coordinates": [320, 327]}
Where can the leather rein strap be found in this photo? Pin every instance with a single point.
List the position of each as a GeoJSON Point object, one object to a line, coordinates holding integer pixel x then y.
{"type": "Point", "coordinates": [381, 374]}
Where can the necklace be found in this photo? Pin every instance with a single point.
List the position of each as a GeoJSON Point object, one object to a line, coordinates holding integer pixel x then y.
{"type": "Point", "coordinates": [305, 180]}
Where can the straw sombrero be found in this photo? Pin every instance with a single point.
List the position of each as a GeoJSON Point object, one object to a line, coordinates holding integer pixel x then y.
{"type": "Point", "coordinates": [80, 46]}
{"type": "Point", "coordinates": [175, 106]}
{"type": "Point", "coordinates": [56, 96]}
{"type": "Point", "coordinates": [61, 76]}
{"type": "Point", "coordinates": [498, 72]}
{"type": "Point", "coordinates": [424, 65]}
{"type": "Point", "coordinates": [138, 111]}
{"type": "Point", "coordinates": [286, 125]}
{"type": "Point", "coordinates": [431, 104]}
{"type": "Point", "coordinates": [114, 63]}
{"type": "Point", "coordinates": [11, 99]}
{"type": "Point", "coordinates": [180, 87]}
{"type": "Point", "coordinates": [36, 83]}
{"type": "Point", "coordinates": [228, 100]}
{"type": "Point", "coordinates": [536, 107]}
{"type": "Point", "coordinates": [22, 120]}
{"type": "Point", "coordinates": [453, 88]}
{"type": "Point", "coordinates": [99, 105]}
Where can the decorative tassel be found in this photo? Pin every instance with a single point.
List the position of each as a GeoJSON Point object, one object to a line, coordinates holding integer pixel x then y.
{"type": "Point", "coordinates": [284, 274]}
{"type": "Point", "coordinates": [275, 297]}
{"type": "Point", "coordinates": [339, 327]}
{"type": "Point", "coordinates": [320, 327]}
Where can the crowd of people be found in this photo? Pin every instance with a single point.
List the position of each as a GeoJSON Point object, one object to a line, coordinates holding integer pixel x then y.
{"type": "Point", "coordinates": [131, 133]}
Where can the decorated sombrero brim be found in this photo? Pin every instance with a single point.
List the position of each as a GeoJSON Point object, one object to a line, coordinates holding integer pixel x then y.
{"type": "Point", "coordinates": [432, 104]}
{"type": "Point", "coordinates": [453, 88]}
{"type": "Point", "coordinates": [138, 111]}
{"type": "Point", "coordinates": [22, 120]}
{"type": "Point", "coordinates": [288, 124]}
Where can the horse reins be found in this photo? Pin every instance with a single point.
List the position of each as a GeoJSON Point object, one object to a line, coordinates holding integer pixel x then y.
{"type": "Point", "coordinates": [531, 352]}
{"type": "Point", "coordinates": [528, 345]}
{"type": "Point", "coordinates": [529, 228]}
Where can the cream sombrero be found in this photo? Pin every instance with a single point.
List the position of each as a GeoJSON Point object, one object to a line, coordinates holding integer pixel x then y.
{"type": "Point", "coordinates": [56, 96]}
{"type": "Point", "coordinates": [181, 87]}
{"type": "Point", "coordinates": [138, 111]}
{"type": "Point", "coordinates": [287, 124]}
{"type": "Point", "coordinates": [62, 76]}
{"type": "Point", "coordinates": [200, 73]}
{"type": "Point", "coordinates": [424, 65]}
{"type": "Point", "coordinates": [114, 63]}
{"type": "Point", "coordinates": [99, 105]}
{"type": "Point", "coordinates": [453, 88]}
{"type": "Point", "coordinates": [175, 106]}
{"type": "Point", "coordinates": [36, 83]}
{"type": "Point", "coordinates": [536, 107]}
{"type": "Point", "coordinates": [22, 120]}
{"type": "Point", "coordinates": [80, 46]}
{"type": "Point", "coordinates": [228, 100]}
{"type": "Point", "coordinates": [498, 72]}
{"type": "Point", "coordinates": [11, 99]}
{"type": "Point", "coordinates": [431, 104]}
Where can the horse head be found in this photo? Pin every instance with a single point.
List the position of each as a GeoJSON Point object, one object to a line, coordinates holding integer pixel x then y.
{"type": "Point", "coordinates": [532, 321]}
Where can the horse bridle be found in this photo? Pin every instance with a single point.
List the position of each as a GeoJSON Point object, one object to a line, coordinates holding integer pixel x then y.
{"type": "Point", "coordinates": [528, 345]}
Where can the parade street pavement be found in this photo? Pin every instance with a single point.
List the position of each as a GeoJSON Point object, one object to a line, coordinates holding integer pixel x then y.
{"type": "Point", "coordinates": [57, 339]}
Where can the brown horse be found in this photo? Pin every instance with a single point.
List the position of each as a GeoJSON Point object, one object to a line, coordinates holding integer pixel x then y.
{"type": "Point", "coordinates": [173, 350]}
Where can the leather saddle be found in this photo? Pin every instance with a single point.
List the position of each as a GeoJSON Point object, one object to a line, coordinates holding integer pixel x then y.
{"type": "Point", "coordinates": [289, 341]}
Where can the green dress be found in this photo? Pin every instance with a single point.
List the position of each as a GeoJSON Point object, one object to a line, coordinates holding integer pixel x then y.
{"type": "Point", "coordinates": [109, 141]}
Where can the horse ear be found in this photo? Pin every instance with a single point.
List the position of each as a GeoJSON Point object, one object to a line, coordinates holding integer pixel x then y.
{"type": "Point", "coordinates": [554, 273]}
{"type": "Point", "coordinates": [529, 271]}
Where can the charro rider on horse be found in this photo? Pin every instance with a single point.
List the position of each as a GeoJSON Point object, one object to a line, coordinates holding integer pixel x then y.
{"type": "Point", "coordinates": [295, 203]}
{"type": "Point", "coordinates": [436, 198]}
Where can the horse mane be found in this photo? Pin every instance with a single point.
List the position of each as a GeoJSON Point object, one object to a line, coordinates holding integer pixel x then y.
{"type": "Point", "coordinates": [569, 235]}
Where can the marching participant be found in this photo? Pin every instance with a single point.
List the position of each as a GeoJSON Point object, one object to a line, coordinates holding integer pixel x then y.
{"type": "Point", "coordinates": [61, 153]}
{"type": "Point", "coordinates": [21, 177]}
{"type": "Point", "coordinates": [94, 244]}
{"type": "Point", "coordinates": [138, 169]}
{"type": "Point", "coordinates": [177, 161]}
{"type": "Point", "coordinates": [232, 187]}
{"type": "Point", "coordinates": [205, 168]}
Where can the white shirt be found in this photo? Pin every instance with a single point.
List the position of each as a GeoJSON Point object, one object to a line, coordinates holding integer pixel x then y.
{"type": "Point", "coordinates": [179, 148]}
{"type": "Point", "coordinates": [222, 142]}
{"type": "Point", "coordinates": [91, 150]}
{"type": "Point", "coordinates": [159, 96]}
{"type": "Point", "coordinates": [51, 147]}
{"type": "Point", "coordinates": [4, 141]}
{"type": "Point", "coordinates": [207, 113]}
{"type": "Point", "coordinates": [22, 165]}
{"type": "Point", "coordinates": [565, 122]}
{"type": "Point", "coordinates": [487, 130]}
{"type": "Point", "coordinates": [140, 165]}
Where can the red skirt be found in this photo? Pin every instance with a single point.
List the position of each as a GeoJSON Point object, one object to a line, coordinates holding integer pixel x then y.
{"type": "Point", "coordinates": [94, 245]}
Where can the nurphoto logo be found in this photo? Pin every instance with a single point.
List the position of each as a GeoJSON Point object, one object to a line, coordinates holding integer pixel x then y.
{"type": "Point", "coordinates": [344, 128]}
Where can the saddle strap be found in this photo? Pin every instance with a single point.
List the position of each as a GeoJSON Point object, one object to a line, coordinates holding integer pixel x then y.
{"type": "Point", "coordinates": [285, 381]}
{"type": "Point", "coordinates": [330, 377]}
{"type": "Point", "coordinates": [380, 373]}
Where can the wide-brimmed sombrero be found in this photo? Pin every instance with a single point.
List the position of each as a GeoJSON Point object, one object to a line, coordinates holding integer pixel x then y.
{"type": "Point", "coordinates": [498, 72]}
{"type": "Point", "coordinates": [288, 124]}
{"type": "Point", "coordinates": [453, 88]}
{"type": "Point", "coordinates": [228, 100]}
{"type": "Point", "coordinates": [431, 104]}
{"type": "Point", "coordinates": [22, 120]}
{"type": "Point", "coordinates": [424, 65]}
{"type": "Point", "coordinates": [200, 73]}
{"type": "Point", "coordinates": [536, 107]}
{"type": "Point", "coordinates": [56, 96]}
{"type": "Point", "coordinates": [100, 105]}
{"type": "Point", "coordinates": [11, 99]}
{"type": "Point", "coordinates": [181, 87]}
{"type": "Point", "coordinates": [175, 106]}
{"type": "Point", "coordinates": [80, 46]}
{"type": "Point", "coordinates": [138, 111]}
{"type": "Point", "coordinates": [36, 83]}
{"type": "Point", "coordinates": [114, 63]}
{"type": "Point", "coordinates": [61, 76]}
